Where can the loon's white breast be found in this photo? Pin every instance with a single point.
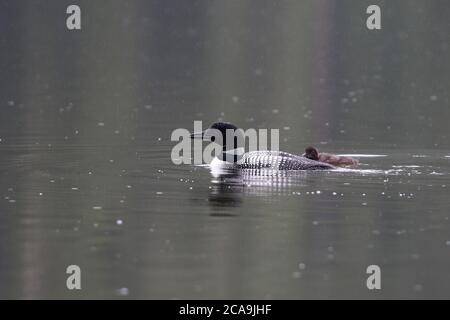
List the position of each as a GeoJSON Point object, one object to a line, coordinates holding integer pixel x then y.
{"type": "Point", "coordinates": [216, 163]}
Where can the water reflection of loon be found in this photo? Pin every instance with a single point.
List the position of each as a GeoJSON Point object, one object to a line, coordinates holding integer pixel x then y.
{"type": "Point", "coordinates": [267, 181]}
{"type": "Point", "coordinates": [233, 156]}
{"type": "Point", "coordinates": [230, 186]}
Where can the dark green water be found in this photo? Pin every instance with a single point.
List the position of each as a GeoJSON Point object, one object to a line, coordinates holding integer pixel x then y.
{"type": "Point", "coordinates": [86, 176]}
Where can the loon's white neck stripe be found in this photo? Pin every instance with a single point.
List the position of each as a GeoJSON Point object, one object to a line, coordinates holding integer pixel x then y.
{"type": "Point", "coordinates": [233, 155]}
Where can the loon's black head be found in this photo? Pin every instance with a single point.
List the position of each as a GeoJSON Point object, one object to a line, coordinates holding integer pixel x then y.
{"type": "Point", "coordinates": [311, 153]}
{"type": "Point", "coordinates": [227, 135]}
{"type": "Point", "coordinates": [223, 128]}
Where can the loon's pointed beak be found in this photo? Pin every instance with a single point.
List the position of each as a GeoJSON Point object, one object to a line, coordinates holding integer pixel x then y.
{"type": "Point", "coordinates": [198, 135]}
{"type": "Point", "coordinates": [206, 135]}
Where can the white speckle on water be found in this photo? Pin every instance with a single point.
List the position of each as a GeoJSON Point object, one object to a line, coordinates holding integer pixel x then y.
{"type": "Point", "coordinates": [357, 155]}
{"type": "Point", "coordinates": [302, 266]}
{"type": "Point", "coordinates": [296, 274]}
{"type": "Point", "coordinates": [12, 201]}
{"type": "Point", "coordinates": [119, 222]}
{"type": "Point", "coordinates": [129, 187]}
{"type": "Point", "coordinates": [447, 243]}
{"type": "Point", "coordinates": [418, 288]}
{"type": "Point", "coordinates": [235, 99]}
{"type": "Point", "coordinates": [41, 194]}
{"type": "Point", "coordinates": [318, 192]}
{"type": "Point", "coordinates": [433, 98]}
{"type": "Point", "coordinates": [275, 111]}
{"type": "Point", "coordinates": [159, 193]}
{"type": "Point", "coordinates": [258, 71]}
{"type": "Point", "coordinates": [11, 103]}
{"type": "Point", "coordinates": [334, 193]}
{"type": "Point", "coordinates": [97, 208]}
{"type": "Point", "coordinates": [415, 256]}
{"type": "Point", "coordinates": [101, 124]}
{"type": "Point", "coordinates": [123, 292]}
{"type": "Point", "coordinates": [74, 189]}
{"type": "Point", "coordinates": [315, 223]}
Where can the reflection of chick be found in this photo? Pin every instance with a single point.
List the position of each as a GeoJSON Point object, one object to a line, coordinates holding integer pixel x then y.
{"type": "Point", "coordinates": [313, 154]}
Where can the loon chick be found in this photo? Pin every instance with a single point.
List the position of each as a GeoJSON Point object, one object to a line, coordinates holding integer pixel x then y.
{"type": "Point", "coordinates": [335, 160]}
{"type": "Point", "coordinates": [233, 155]}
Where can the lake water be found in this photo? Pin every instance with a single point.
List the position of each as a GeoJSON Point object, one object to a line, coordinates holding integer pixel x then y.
{"type": "Point", "coordinates": [86, 176]}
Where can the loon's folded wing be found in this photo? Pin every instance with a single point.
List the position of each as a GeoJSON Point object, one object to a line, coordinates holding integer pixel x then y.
{"type": "Point", "coordinates": [279, 160]}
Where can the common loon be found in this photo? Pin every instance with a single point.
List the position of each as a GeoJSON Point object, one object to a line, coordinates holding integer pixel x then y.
{"type": "Point", "coordinates": [233, 156]}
